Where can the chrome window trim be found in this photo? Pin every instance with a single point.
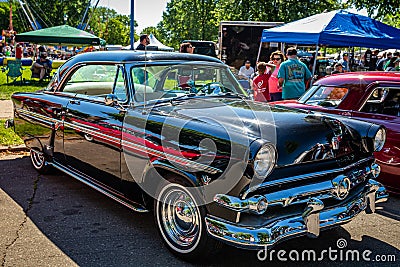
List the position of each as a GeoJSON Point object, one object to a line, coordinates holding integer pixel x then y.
{"type": "Point", "coordinates": [373, 90]}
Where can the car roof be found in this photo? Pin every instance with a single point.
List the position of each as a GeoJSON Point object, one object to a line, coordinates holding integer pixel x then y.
{"type": "Point", "coordinates": [359, 78]}
{"type": "Point", "coordinates": [126, 56]}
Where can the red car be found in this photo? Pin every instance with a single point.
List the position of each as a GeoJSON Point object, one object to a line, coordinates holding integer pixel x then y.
{"type": "Point", "coordinates": [368, 96]}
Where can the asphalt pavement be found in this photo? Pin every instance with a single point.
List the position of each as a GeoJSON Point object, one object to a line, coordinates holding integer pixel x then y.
{"type": "Point", "coordinates": [54, 220]}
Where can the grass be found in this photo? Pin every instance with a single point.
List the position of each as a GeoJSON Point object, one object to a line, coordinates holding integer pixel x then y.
{"type": "Point", "coordinates": [8, 137]}
{"type": "Point", "coordinates": [6, 90]}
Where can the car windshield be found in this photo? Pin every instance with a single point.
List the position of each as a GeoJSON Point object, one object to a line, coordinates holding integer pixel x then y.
{"type": "Point", "coordinates": [161, 81]}
{"type": "Point", "coordinates": [324, 96]}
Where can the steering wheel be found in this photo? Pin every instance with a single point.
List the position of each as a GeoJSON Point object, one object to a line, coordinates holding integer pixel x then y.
{"type": "Point", "coordinates": [213, 88]}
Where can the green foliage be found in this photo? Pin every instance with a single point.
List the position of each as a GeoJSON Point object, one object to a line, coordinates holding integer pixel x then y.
{"type": "Point", "coordinates": [8, 137]}
{"type": "Point", "coordinates": [379, 9]}
{"type": "Point", "coordinates": [6, 90]}
{"type": "Point", "coordinates": [199, 19]}
{"type": "Point", "coordinates": [185, 19]}
{"type": "Point", "coordinates": [392, 19]}
{"type": "Point", "coordinates": [149, 30]}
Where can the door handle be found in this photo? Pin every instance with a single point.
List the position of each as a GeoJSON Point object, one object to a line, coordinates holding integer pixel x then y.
{"type": "Point", "coordinates": [75, 102]}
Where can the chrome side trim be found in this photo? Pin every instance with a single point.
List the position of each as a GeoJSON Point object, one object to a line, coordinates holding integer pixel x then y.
{"type": "Point", "coordinates": [179, 160]}
{"type": "Point", "coordinates": [38, 117]}
{"type": "Point", "coordinates": [313, 219]}
{"type": "Point", "coordinates": [134, 206]}
{"type": "Point", "coordinates": [93, 131]}
{"type": "Point", "coordinates": [304, 176]}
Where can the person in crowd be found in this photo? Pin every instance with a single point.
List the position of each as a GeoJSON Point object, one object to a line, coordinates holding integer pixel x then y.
{"type": "Point", "coordinates": [367, 58]}
{"type": "Point", "coordinates": [41, 49]}
{"type": "Point", "coordinates": [373, 61]}
{"type": "Point", "coordinates": [394, 56]}
{"type": "Point", "coordinates": [379, 58]}
{"type": "Point", "coordinates": [144, 41]}
{"type": "Point", "coordinates": [345, 62]}
{"type": "Point", "coordinates": [293, 76]}
{"type": "Point", "coordinates": [186, 48]}
{"type": "Point", "coordinates": [42, 67]}
{"type": "Point", "coordinates": [261, 83]}
{"type": "Point", "coordinates": [8, 51]}
{"type": "Point", "coordinates": [338, 68]}
{"type": "Point", "coordinates": [246, 70]}
{"type": "Point", "coordinates": [275, 90]}
{"type": "Point", "coordinates": [380, 65]}
{"type": "Point", "coordinates": [18, 52]}
{"type": "Point", "coordinates": [393, 64]}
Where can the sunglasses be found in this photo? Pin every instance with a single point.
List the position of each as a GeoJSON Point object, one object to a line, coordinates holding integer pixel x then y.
{"type": "Point", "coordinates": [276, 58]}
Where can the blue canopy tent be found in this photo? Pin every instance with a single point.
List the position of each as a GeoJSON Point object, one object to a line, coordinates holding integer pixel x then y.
{"type": "Point", "coordinates": [337, 28]}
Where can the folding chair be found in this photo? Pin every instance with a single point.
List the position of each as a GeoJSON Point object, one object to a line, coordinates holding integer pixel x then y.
{"type": "Point", "coordinates": [14, 70]}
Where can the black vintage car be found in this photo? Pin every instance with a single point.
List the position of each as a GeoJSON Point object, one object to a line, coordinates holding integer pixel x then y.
{"type": "Point", "coordinates": [176, 134]}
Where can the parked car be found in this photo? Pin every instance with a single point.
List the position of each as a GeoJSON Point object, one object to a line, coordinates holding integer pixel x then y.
{"type": "Point", "coordinates": [368, 96]}
{"type": "Point", "coordinates": [175, 133]}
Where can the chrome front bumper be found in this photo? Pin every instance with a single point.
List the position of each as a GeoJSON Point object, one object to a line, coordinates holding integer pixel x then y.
{"type": "Point", "coordinates": [314, 218]}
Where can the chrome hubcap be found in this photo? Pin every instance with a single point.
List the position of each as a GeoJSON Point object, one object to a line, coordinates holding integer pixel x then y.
{"type": "Point", "coordinates": [37, 158]}
{"type": "Point", "coordinates": [180, 217]}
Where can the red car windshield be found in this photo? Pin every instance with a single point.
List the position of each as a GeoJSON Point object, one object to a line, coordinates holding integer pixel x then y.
{"type": "Point", "coordinates": [324, 96]}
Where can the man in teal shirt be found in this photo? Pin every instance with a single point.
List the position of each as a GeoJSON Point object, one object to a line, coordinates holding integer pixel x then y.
{"type": "Point", "coordinates": [293, 76]}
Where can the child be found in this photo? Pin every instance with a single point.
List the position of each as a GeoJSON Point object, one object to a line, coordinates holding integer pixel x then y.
{"type": "Point", "coordinates": [260, 84]}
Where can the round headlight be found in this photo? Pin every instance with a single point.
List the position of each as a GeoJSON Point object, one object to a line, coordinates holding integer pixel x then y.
{"type": "Point", "coordinates": [379, 139]}
{"type": "Point", "coordinates": [264, 161]}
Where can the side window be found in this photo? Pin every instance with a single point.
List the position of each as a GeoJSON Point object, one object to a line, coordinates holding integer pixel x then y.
{"type": "Point", "coordinates": [92, 80]}
{"type": "Point", "coordinates": [383, 101]}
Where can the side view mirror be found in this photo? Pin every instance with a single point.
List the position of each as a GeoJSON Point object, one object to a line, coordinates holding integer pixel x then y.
{"type": "Point", "coordinates": [111, 100]}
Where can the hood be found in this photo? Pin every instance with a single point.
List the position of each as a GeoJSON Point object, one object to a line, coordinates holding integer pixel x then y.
{"type": "Point", "coordinates": [298, 135]}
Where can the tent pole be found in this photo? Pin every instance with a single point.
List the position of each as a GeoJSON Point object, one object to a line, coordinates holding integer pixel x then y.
{"type": "Point", "coordinates": [315, 64]}
{"type": "Point", "coordinates": [259, 52]}
{"type": "Point", "coordinates": [132, 23]}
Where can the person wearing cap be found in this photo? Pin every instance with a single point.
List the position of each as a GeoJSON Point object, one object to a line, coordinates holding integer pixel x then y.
{"type": "Point", "coordinates": [293, 75]}
{"type": "Point", "coordinates": [345, 62]}
{"type": "Point", "coordinates": [382, 62]}
{"type": "Point", "coordinates": [144, 41]}
{"type": "Point", "coordinates": [338, 68]}
{"type": "Point", "coordinates": [247, 70]}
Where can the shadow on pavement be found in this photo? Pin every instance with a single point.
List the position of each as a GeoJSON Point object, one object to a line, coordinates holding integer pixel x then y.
{"type": "Point", "coordinates": [94, 230]}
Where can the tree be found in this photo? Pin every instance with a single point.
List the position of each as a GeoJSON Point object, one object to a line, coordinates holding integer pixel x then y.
{"type": "Point", "coordinates": [189, 19]}
{"type": "Point", "coordinates": [199, 19]}
{"type": "Point", "coordinates": [276, 10]}
{"type": "Point", "coordinates": [379, 9]}
{"type": "Point", "coordinates": [149, 30]}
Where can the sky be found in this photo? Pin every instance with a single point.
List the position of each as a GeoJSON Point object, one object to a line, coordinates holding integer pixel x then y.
{"type": "Point", "coordinates": [147, 12]}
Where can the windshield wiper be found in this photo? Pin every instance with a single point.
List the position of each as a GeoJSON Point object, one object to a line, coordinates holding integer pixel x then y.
{"type": "Point", "coordinates": [182, 97]}
{"type": "Point", "coordinates": [231, 94]}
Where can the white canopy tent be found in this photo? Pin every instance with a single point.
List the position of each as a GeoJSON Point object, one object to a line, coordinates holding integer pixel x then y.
{"type": "Point", "coordinates": [153, 43]}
